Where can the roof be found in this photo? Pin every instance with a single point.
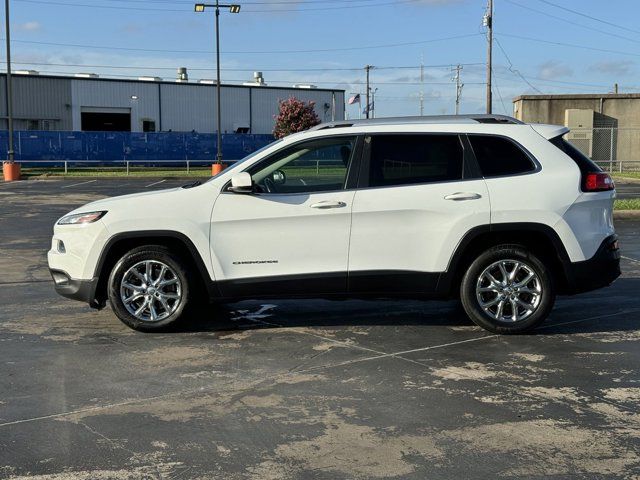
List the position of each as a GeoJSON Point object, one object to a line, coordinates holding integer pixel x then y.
{"type": "Point", "coordinates": [447, 119]}
{"type": "Point", "coordinates": [170, 82]}
{"type": "Point", "coordinates": [579, 96]}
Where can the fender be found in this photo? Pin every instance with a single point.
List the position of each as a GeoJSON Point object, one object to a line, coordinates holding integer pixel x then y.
{"type": "Point", "coordinates": [447, 278]}
{"type": "Point", "coordinates": [210, 285]}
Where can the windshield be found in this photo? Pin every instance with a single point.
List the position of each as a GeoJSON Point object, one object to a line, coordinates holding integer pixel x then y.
{"type": "Point", "coordinates": [249, 157]}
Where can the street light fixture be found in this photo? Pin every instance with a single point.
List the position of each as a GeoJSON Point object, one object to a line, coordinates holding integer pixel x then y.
{"type": "Point", "coordinates": [233, 8]}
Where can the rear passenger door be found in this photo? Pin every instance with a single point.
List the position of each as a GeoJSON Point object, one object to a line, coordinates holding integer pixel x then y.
{"type": "Point", "coordinates": [517, 193]}
{"type": "Point", "coordinates": [418, 195]}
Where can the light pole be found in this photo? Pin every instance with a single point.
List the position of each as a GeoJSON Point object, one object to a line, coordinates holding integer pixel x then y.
{"type": "Point", "coordinates": [200, 7]}
{"type": "Point", "coordinates": [10, 169]}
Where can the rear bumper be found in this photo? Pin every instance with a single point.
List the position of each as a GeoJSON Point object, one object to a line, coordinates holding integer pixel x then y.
{"type": "Point", "coordinates": [597, 272]}
{"type": "Point", "coordinates": [82, 290]}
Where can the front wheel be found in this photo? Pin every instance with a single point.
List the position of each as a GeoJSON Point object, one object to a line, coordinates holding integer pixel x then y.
{"type": "Point", "coordinates": [149, 288]}
{"type": "Point", "coordinates": [507, 289]}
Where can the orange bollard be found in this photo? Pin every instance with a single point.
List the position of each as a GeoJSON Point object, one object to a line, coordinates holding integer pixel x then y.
{"type": "Point", "coordinates": [216, 168]}
{"type": "Point", "coordinates": [11, 171]}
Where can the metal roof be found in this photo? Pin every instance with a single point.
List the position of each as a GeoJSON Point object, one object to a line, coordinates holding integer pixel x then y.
{"type": "Point", "coordinates": [169, 82]}
{"type": "Point", "coordinates": [451, 119]}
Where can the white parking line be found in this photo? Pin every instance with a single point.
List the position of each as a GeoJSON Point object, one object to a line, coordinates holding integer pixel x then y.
{"type": "Point", "coordinates": [3, 184]}
{"type": "Point", "coordinates": [399, 354]}
{"type": "Point", "coordinates": [588, 319]}
{"type": "Point", "coordinates": [81, 183]}
{"type": "Point", "coordinates": [630, 259]}
{"type": "Point", "coordinates": [156, 183]}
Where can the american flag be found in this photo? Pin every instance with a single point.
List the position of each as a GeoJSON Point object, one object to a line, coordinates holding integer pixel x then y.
{"type": "Point", "coordinates": [354, 99]}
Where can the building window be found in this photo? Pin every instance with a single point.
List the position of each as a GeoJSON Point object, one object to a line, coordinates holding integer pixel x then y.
{"type": "Point", "coordinates": [148, 126]}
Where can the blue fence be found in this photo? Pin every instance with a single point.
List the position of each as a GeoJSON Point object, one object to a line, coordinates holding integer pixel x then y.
{"type": "Point", "coordinates": [107, 147]}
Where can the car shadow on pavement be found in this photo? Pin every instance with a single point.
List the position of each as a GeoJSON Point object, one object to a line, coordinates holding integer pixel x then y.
{"type": "Point", "coordinates": [614, 309]}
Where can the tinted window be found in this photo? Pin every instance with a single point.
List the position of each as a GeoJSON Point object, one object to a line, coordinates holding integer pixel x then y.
{"type": "Point", "coordinates": [584, 163]}
{"type": "Point", "coordinates": [315, 166]}
{"type": "Point", "coordinates": [410, 159]}
{"type": "Point", "coordinates": [499, 156]}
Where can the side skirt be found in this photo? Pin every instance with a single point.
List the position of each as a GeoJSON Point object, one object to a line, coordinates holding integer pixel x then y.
{"type": "Point", "coordinates": [363, 284]}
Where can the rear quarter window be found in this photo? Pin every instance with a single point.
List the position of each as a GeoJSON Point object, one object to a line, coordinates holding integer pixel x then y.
{"type": "Point", "coordinates": [499, 156]}
{"type": "Point", "coordinates": [585, 164]}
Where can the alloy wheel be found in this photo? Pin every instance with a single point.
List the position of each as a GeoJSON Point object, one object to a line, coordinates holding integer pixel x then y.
{"type": "Point", "coordinates": [150, 290]}
{"type": "Point", "coordinates": [509, 290]}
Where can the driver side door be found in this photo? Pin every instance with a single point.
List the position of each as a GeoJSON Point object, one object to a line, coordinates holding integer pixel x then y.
{"type": "Point", "coordinates": [291, 235]}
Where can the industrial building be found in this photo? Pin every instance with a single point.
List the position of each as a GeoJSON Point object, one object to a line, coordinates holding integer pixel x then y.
{"type": "Point", "coordinates": [86, 102]}
{"type": "Point", "coordinates": [606, 127]}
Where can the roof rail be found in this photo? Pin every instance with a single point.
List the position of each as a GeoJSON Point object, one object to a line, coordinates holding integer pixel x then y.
{"type": "Point", "coordinates": [466, 119]}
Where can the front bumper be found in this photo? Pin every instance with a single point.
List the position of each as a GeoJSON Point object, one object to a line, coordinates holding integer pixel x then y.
{"type": "Point", "coordinates": [597, 272]}
{"type": "Point", "coordinates": [82, 290]}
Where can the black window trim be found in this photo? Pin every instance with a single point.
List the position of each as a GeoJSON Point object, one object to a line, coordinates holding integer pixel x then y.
{"type": "Point", "coordinates": [470, 167]}
{"type": "Point", "coordinates": [537, 166]}
{"type": "Point", "coordinates": [351, 179]}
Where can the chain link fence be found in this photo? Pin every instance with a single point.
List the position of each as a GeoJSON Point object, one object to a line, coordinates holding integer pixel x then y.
{"type": "Point", "coordinates": [613, 149]}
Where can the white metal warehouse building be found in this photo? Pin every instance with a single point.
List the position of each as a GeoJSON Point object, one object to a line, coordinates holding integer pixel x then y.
{"type": "Point", "coordinates": [44, 102]}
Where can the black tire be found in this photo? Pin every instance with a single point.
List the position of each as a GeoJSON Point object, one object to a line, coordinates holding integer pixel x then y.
{"type": "Point", "coordinates": [182, 288]}
{"type": "Point", "coordinates": [493, 318]}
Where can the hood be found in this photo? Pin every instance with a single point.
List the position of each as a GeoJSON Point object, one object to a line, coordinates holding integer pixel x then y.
{"type": "Point", "coordinates": [109, 202]}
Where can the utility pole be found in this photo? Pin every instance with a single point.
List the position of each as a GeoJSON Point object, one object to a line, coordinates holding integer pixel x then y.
{"type": "Point", "coordinates": [10, 152]}
{"type": "Point", "coordinates": [367, 69]}
{"type": "Point", "coordinates": [488, 22]}
{"type": "Point", "coordinates": [373, 103]}
{"type": "Point", "coordinates": [421, 85]}
{"type": "Point", "coordinates": [459, 86]}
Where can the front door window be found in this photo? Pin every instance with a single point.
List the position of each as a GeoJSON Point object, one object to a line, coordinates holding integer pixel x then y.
{"type": "Point", "coordinates": [319, 165]}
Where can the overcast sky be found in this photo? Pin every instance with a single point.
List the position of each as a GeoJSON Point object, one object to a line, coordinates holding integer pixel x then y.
{"type": "Point", "coordinates": [543, 46]}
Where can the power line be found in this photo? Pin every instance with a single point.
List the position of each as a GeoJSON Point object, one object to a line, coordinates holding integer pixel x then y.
{"type": "Point", "coordinates": [264, 52]}
{"type": "Point", "coordinates": [275, 2]}
{"type": "Point", "coordinates": [589, 16]}
{"type": "Point", "coordinates": [512, 69]}
{"type": "Point", "coordinates": [562, 44]}
{"type": "Point", "coordinates": [185, 10]}
{"type": "Point", "coordinates": [504, 108]}
{"type": "Point", "coordinates": [298, 81]}
{"type": "Point", "coordinates": [138, 67]}
{"type": "Point", "coordinates": [593, 29]}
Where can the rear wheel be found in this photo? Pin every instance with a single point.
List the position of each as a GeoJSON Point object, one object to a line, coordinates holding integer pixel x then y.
{"type": "Point", "coordinates": [507, 289]}
{"type": "Point", "coordinates": [149, 288]}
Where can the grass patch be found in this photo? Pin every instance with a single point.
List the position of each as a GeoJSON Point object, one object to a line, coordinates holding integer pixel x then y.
{"type": "Point", "coordinates": [622, 176]}
{"type": "Point", "coordinates": [627, 204]}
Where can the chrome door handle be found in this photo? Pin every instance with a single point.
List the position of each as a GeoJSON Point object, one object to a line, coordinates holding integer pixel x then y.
{"type": "Point", "coordinates": [459, 196]}
{"type": "Point", "coordinates": [328, 204]}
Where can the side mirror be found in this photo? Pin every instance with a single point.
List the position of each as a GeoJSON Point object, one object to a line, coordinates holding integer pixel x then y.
{"type": "Point", "coordinates": [241, 183]}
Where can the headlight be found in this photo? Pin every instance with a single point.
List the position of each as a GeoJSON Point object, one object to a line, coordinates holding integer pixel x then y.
{"type": "Point", "coordinates": [81, 218]}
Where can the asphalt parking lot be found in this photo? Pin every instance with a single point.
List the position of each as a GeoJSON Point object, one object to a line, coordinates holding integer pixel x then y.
{"type": "Point", "coordinates": [305, 389]}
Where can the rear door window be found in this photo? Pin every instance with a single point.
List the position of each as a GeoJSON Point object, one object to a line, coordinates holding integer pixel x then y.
{"type": "Point", "coordinates": [414, 159]}
{"type": "Point", "coordinates": [499, 156]}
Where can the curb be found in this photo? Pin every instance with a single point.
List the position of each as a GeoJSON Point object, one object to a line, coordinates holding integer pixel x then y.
{"type": "Point", "coordinates": [624, 214]}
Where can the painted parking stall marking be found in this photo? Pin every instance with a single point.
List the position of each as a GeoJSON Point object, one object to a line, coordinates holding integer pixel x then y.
{"type": "Point", "coordinates": [77, 184]}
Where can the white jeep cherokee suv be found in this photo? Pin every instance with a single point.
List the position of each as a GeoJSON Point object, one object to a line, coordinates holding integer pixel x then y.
{"type": "Point", "coordinates": [503, 214]}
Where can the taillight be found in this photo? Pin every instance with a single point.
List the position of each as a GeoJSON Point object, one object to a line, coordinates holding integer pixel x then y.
{"type": "Point", "coordinates": [597, 182]}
